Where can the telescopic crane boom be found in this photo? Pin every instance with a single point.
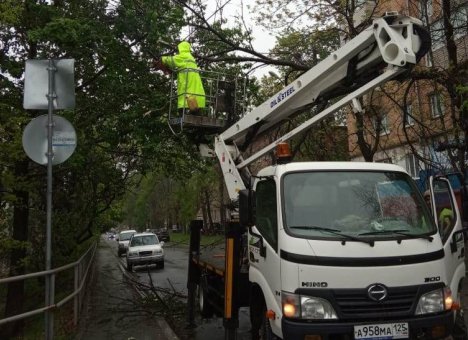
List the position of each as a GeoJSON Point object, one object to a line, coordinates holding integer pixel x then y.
{"type": "Point", "coordinates": [386, 50]}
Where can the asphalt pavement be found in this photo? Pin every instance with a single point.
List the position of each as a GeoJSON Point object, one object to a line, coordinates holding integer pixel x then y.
{"type": "Point", "coordinates": [110, 309]}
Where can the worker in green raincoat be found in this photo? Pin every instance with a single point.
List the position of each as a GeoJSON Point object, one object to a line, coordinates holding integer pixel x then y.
{"type": "Point", "coordinates": [190, 92]}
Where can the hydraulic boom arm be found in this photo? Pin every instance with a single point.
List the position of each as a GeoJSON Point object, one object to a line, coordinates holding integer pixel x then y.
{"type": "Point", "coordinates": [382, 52]}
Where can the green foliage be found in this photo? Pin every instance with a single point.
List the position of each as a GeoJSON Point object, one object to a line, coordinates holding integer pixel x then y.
{"type": "Point", "coordinates": [462, 91]}
{"type": "Point", "coordinates": [158, 199]}
{"type": "Point", "coordinates": [112, 45]}
{"type": "Point", "coordinates": [10, 11]}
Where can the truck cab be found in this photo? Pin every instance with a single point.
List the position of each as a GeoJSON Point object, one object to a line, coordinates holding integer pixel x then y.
{"type": "Point", "coordinates": [359, 253]}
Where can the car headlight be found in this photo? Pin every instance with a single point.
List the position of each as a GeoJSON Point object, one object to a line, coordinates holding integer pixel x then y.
{"type": "Point", "coordinates": [306, 307]}
{"type": "Point", "coordinates": [132, 253]}
{"type": "Point", "coordinates": [158, 251]}
{"type": "Point", "coordinates": [435, 301]}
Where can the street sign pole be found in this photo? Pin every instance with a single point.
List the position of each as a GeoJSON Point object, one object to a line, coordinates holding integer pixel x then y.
{"type": "Point", "coordinates": [61, 141]}
{"type": "Point", "coordinates": [49, 315]}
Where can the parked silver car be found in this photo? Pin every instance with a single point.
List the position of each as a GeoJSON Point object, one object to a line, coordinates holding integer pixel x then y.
{"type": "Point", "coordinates": [123, 239]}
{"type": "Point", "coordinates": [145, 248]}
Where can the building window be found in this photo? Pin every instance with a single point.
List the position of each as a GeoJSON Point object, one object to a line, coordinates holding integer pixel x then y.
{"type": "Point", "coordinates": [426, 11]}
{"type": "Point", "coordinates": [459, 19]}
{"type": "Point", "coordinates": [409, 120]}
{"type": "Point", "coordinates": [437, 34]}
{"type": "Point", "coordinates": [429, 8]}
{"type": "Point", "coordinates": [429, 62]}
{"type": "Point", "coordinates": [384, 127]}
{"type": "Point", "coordinates": [412, 165]}
{"type": "Point", "coordinates": [437, 106]}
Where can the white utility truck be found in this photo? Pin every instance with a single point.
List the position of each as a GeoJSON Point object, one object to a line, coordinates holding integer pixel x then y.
{"type": "Point", "coordinates": [333, 250]}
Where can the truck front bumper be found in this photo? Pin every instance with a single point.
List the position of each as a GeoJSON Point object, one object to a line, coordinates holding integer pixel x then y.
{"type": "Point", "coordinates": [424, 327]}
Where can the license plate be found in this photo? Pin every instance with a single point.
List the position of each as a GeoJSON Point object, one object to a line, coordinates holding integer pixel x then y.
{"type": "Point", "coordinates": [398, 330]}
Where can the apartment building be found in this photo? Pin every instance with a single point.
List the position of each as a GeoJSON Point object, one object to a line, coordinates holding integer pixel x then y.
{"type": "Point", "coordinates": [416, 124]}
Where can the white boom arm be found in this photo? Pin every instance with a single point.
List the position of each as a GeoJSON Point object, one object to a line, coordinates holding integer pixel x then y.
{"type": "Point", "coordinates": [393, 44]}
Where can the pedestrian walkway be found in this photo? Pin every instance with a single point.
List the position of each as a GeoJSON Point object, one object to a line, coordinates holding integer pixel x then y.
{"type": "Point", "coordinates": [110, 310]}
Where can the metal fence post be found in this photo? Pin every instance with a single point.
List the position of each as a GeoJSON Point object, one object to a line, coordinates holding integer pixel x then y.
{"type": "Point", "coordinates": [52, 302]}
{"type": "Point", "coordinates": [75, 298]}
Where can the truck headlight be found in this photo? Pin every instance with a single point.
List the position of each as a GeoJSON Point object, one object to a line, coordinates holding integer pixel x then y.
{"type": "Point", "coordinates": [316, 308]}
{"type": "Point", "coordinates": [132, 253]}
{"type": "Point", "coordinates": [157, 252]}
{"type": "Point", "coordinates": [306, 307]}
{"type": "Point", "coordinates": [435, 301]}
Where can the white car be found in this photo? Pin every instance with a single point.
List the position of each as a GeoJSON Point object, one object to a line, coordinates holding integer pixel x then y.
{"type": "Point", "coordinates": [123, 239]}
{"type": "Point", "coordinates": [145, 248]}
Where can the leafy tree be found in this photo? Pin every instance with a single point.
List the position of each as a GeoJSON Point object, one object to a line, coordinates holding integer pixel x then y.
{"type": "Point", "coordinates": [112, 44]}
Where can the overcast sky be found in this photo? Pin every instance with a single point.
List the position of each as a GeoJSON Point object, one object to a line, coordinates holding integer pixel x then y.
{"type": "Point", "coordinates": [263, 40]}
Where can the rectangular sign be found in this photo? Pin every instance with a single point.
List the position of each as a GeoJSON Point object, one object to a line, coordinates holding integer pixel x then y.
{"type": "Point", "coordinates": [36, 84]}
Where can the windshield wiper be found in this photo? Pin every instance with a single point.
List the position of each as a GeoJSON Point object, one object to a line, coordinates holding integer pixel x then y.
{"type": "Point", "coordinates": [333, 231]}
{"type": "Point", "coordinates": [402, 232]}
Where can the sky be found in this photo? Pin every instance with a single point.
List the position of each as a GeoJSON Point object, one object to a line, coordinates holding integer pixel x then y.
{"type": "Point", "coordinates": [263, 40]}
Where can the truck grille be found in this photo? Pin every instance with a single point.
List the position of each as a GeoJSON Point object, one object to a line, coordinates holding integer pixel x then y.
{"type": "Point", "coordinates": [355, 303]}
{"type": "Point", "coordinates": [146, 253]}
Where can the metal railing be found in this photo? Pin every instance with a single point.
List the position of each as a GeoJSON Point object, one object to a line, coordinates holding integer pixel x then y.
{"type": "Point", "coordinates": [81, 271]}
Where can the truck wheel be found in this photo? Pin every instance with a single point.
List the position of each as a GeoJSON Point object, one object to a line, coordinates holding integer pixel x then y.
{"type": "Point", "coordinates": [459, 328]}
{"type": "Point", "coordinates": [265, 328]}
{"type": "Point", "coordinates": [129, 266]}
{"type": "Point", "coordinates": [206, 310]}
{"type": "Point", "coordinates": [261, 329]}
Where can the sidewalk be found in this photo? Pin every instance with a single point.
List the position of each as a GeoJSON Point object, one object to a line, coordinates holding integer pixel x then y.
{"type": "Point", "coordinates": [109, 309]}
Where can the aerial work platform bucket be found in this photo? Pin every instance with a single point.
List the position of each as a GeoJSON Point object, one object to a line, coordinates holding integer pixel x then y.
{"type": "Point", "coordinates": [224, 102]}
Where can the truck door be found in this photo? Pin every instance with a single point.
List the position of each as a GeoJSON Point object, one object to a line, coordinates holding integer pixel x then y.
{"type": "Point", "coordinates": [263, 253]}
{"type": "Point", "coordinates": [447, 218]}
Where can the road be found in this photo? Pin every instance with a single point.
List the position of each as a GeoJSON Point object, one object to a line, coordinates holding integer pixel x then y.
{"type": "Point", "coordinates": [173, 277]}
{"type": "Point", "coordinates": [111, 310]}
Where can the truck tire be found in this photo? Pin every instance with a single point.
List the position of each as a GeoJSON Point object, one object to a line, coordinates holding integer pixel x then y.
{"type": "Point", "coordinates": [459, 328]}
{"type": "Point", "coordinates": [261, 329]}
{"type": "Point", "coordinates": [129, 266]}
{"type": "Point", "coordinates": [265, 328]}
{"type": "Point", "coordinates": [206, 309]}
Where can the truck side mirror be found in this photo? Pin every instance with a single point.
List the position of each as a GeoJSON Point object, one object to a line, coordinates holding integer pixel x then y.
{"type": "Point", "coordinates": [247, 207]}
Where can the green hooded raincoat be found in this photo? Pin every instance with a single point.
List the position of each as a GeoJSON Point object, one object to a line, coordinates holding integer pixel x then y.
{"type": "Point", "coordinates": [188, 80]}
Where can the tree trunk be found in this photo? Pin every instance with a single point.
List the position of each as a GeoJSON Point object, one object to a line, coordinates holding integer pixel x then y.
{"type": "Point", "coordinates": [15, 290]}
{"type": "Point", "coordinates": [208, 209]}
{"type": "Point", "coordinates": [365, 148]}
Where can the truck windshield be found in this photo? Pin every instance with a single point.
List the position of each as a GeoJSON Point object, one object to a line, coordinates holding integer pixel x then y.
{"type": "Point", "coordinates": [361, 204]}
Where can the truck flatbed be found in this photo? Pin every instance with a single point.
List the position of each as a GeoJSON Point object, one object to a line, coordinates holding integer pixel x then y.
{"type": "Point", "coordinates": [212, 258]}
